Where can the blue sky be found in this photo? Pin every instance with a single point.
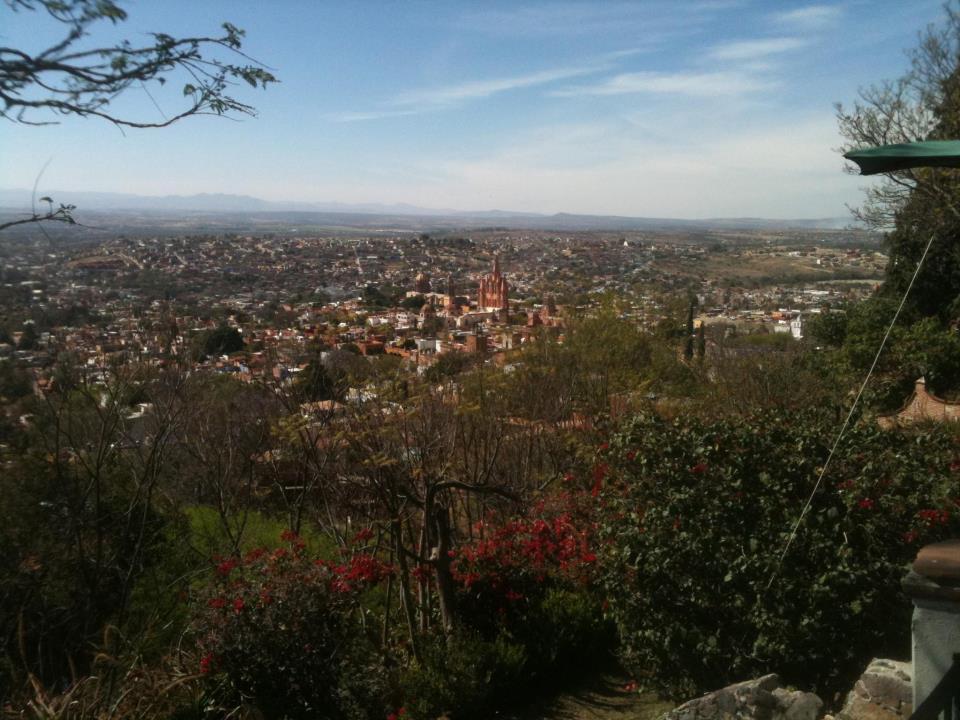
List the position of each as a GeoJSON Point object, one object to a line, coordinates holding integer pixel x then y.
{"type": "Point", "coordinates": [666, 108]}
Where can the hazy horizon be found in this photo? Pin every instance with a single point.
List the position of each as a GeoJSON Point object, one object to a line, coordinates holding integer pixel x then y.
{"type": "Point", "coordinates": [683, 110]}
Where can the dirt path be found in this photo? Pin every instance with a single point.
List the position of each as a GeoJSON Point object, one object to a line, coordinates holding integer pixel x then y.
{"type": "Point", "coordinates": [605, 699]}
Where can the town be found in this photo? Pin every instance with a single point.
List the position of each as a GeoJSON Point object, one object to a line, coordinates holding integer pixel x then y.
{"type": "Point", "coordinates": [415, 297]}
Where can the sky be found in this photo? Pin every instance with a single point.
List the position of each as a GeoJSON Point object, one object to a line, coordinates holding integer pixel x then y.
{"type": "Point", "coordinates": [656, 108]}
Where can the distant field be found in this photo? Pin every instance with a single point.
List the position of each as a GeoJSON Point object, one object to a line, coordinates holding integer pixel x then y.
{"type": "Point", "coordinates": [765, 268]}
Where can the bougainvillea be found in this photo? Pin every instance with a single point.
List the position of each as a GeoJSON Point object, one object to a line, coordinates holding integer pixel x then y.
{"type": "Point", "coordinates": [511, 560]}
{"type": "Point", "coordinates": [281, 627]}
{"type": "Point", "coordinates": [529, 581]}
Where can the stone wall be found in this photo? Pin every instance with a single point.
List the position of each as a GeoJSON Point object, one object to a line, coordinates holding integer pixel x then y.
{"type": "Point", "coordinates": [921, 406]}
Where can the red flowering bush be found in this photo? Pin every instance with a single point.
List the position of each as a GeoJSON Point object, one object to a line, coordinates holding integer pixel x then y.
{"type": "Point", "coordinates": [280, 628]}
{"type": "Point", "coordinates": [528, 581]}
{"type": "Point", "coordinates": [694, 517]}
{"type": "Point", "coordinates": [510, 566]}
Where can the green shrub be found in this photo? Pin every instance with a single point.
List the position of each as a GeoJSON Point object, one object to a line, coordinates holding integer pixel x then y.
{"type": "Point", "coordinates": [464, 677]}
{"type": "Point", "coordinates": [694, 516]}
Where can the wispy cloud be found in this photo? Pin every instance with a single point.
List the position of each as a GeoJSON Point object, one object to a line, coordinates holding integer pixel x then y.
{"type": "Point", "coordinates": [475, 89]}
{"type": "Point", "coordinates": [734, 169]}
{"type": "Point", "coordinates": [370, 115]}
{"type": "Point", "coordinates": [696, 84]}
{"type": "Point", "coordinates": [745, 50]}
{"type": "Point", "coordinates": [415, 102]}
{"type": "Point", "coordinates": [564, 18]}
{"type": "Point", "coordinates": [811, 16]}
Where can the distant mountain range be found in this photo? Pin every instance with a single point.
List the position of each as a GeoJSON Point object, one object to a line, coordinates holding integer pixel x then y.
{"type": "Point", "coordinates": [368, 214]}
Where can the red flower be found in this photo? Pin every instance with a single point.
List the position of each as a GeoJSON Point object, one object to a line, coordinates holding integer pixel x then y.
{"type": "Point", "coordinates": [699, 468]}
{"type": "Point", "coordinates": [255, 554]}
{"type": "Point", "coordinates": [631, 455]}
{"type": "Point", "coordinates": [226, 567]}
{"type": "Point", "coordinates": [599, 473]}
{"type": "Point", "coordinates": [216, 603]}
{"type": "Point", "coordinates": [421, 572]}
{"type": "Point", "coordinates": [363, 535]}
{"type": "Point", "coordinates": [934, 517]}
{"type": "Point", "coordinates": [603, 447]}
{"type": "Point", "coordinates": [865, 504]}
{"type": "Point", "coordinates": [206, 664]}
{"type": "Point", "coordinates": [910, 536]}
{"type": "Point", "coordinates": [238, 605]}
{"type": "Point", "coordinates": [955, 465]}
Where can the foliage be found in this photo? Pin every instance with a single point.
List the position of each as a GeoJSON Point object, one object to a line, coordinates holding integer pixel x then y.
{"type": "Point", "coordinates": [917, 347]}
{"type": "Point", "coordinates": [14, 381]}
{"type": "Point", "coordinates": [413, 302]}
{"type": "Point", "coordinates": [283, 629]}
{"type": "Point", "coordinates": [919, 105]}
{"type": "Point", "coordinates": [529, 620]}
{"type": "Point", "coordinates": [694, 516]}
{"type": "Point", "coordinates": [318, 382]}
{"type": "Point", "coordinates": [67, 79]}
{"type": "Point", "coordinates": [68, 563]}
{"type": "Point", "coordinates": [449, 365]}
{"type": "Point", "coordinates": [506, 572]}
{"type": "Point", "coordinates": [222, 341]}
{"type": "Point", "coordinates": [466, 677]}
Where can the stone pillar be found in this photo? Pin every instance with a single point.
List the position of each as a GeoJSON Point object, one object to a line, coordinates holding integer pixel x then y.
{"type": "Point", "coordinates": [933, 584]}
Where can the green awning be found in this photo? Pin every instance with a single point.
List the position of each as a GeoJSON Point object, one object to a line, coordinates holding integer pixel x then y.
{"type": "Point", "coordinates": [887, 158]}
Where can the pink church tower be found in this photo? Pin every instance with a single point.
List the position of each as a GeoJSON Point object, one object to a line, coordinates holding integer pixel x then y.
{"type": "Point", "coordinates": [493, 290]}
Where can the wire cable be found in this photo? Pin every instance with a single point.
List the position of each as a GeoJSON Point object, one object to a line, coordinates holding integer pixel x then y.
{"type": "Point", "coordinates": [846, 423]}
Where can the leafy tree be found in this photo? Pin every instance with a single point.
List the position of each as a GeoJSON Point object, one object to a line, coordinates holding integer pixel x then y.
{"type": "Point", "coordinates": [14, 381]}
{"type": "Point", "coordinates": [222, 341]}
{"type": "Point", "coordinates": [67, 80]}
{"type": "Point", "coordinates": [688, 341]}
{"type": "Point", "coordinates": [28, 340]}
{"type": "Point", "coordinates": [374, 297]}
{"type": "Point", "coordinates": [448, 365]}
{"type": "Point", "coordinates": [71, 78]}
{"type": "Point", "coordinates": [414, 302]}
{"type": "Point", "coordinates": [915, 106]}
{"type": "Point", "coordinates": [317, 382]}
{"type": "Point", "coordinates": [916, 205]}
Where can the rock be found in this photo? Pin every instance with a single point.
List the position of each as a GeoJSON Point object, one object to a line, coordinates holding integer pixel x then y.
{"type": "Point", "coordinates": [798, 705]}
{"type": "Point", "coordinates": [883, 692]}
{"type": "Point", "coordinates": [759, 699]}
